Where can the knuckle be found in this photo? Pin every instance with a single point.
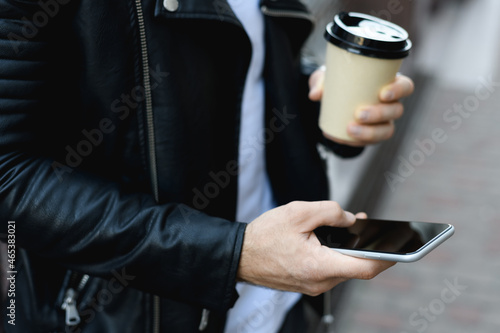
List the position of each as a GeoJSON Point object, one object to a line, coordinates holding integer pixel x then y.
{"type": "Point", "coordinates": [337, 211]}
{"type": "Point", "coordinates": [410, 86]}
{"type": "Point", "coordinates": [391, 111]}
{"type": "Point", "coordinates": [294, 210]}
{"type": "Point", "coordinates": [390, 131]}
{"type": "Point", "coordinates": [370, 133]}
{"type": "Point", "coordinates": [314, 289]}
{"type": "Point", "coordinates": [378, 113]}
{"type": "Point", "coordinates": [369, 273]}
{"type": "Point", "coordinates": [291, 207]}
{"type": "Point", "coordinates": [405, 85]}
{"type": "Point", "coordinates": [399, 111]}
{"type": "Point", "coordinates": [316, 292]}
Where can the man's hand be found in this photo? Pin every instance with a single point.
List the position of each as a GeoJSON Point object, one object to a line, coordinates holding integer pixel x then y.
{"type": "Point", "coordinates": [281, 251]}
{"type": "Point", "coordinates": [374, 123]}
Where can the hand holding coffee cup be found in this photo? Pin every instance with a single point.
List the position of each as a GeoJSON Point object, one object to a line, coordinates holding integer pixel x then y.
{"type": "Point", "coordinates": [361, 90]}
{"type": "Point", "coordinates": [373, 123]}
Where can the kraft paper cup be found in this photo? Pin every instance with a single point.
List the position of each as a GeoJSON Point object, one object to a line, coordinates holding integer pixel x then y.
{"type": "Point", "coordinates": [364, 53]}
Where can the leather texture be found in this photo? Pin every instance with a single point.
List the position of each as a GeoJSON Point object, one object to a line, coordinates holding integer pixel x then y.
{"type": "Point", "coordinates": [81, 155]}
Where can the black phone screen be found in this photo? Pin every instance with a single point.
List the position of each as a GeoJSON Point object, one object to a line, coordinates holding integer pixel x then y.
{"type": "Point", "coordinates": [399, 237]}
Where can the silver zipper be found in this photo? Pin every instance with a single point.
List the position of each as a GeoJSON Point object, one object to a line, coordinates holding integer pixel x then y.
{"type": "Point", "coordinates": [151, 133]}
{"type": "Point", "coordinates": [148, 98]}
{"type": "Point", "coordinates": [204, 320]}
{"type": "Point", "coordinates": [69, 303]}
{"type": "Point", "coordinates": [286, 13]}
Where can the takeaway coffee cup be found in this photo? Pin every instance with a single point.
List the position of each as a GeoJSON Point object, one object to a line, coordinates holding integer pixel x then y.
{"type": "Point", "coordinates": [363, 54]}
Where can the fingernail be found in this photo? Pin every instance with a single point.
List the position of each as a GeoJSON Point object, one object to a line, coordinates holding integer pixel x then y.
{"type": "Point", "coordinates": [354, 130]}
{"type": "Point", "coordinates": [363, 115]}
{"type": "Point", "coordinates": [387, 95]}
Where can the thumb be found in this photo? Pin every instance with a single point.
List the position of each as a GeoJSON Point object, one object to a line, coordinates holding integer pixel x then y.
{"type": "Point", "coordinates": [316, 83]}
{"type": "Point", "coordinates": [322, 213]}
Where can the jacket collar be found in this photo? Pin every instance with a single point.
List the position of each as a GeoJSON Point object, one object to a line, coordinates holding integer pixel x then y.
{"type": "Point", "coordinates": [218, 9]}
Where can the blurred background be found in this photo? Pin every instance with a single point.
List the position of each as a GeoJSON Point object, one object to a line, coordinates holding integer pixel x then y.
{"type": "Point", "coordinates": [454, 64]}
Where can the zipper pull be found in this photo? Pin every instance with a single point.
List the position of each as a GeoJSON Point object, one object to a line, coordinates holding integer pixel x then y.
{"type": "Point", "coordinates": [204, 320]}
{"type": "Point", "coordinates": [69, 305]}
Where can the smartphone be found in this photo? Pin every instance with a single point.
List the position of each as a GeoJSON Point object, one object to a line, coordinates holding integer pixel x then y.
{"type": "Point", "coordinates": [400, 241]}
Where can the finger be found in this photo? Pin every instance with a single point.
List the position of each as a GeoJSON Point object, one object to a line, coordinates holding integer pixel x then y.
{"type": "Point", "coordinates": [371, 133]}
{"type": "Point", "coordinates": [361, 215]}
{"type": "Point", "coordinates": [334, 216]}
{"type": "Point", "coordinates": [338, 265]}
{"type": "Point", "coordinates": [401, 87]}
{"type": "Point", "coordinates": [358, 268]}
{"type": "Point", "coordinates": [311, 215]}
{"type": "Point", "coordinates": [379, 113]}
{"type": "Point", "coordinates": [316, 84]}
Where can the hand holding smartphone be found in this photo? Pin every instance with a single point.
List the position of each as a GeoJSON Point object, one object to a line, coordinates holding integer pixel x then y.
{"type": "Point", "coordinates": [390, 240]}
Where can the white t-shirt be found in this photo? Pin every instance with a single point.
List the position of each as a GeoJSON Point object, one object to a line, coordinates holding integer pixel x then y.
{"type": "Point", "coordinates": [258, 309]}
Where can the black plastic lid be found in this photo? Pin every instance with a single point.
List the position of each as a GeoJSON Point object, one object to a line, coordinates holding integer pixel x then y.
{"type": "Point", "coordinates": [368, 35]}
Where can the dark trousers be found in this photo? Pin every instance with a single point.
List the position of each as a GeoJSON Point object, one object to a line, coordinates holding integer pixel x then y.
{"type": "Point", "coordinates": [295, 320]}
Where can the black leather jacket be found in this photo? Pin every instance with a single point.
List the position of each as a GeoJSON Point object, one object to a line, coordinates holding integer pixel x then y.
{"type": "Point", "coordinates": [119, 124]}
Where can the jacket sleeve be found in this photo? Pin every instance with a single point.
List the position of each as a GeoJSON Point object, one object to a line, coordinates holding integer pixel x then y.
{"type": "Point", "coordinates": [85, 222]}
